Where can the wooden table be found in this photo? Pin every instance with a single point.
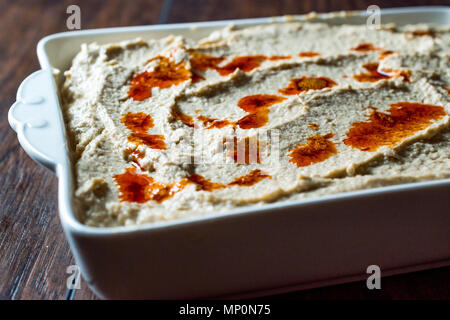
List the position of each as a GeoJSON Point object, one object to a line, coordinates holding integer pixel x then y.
{"type": "Point", "coordinates": [34, 254]}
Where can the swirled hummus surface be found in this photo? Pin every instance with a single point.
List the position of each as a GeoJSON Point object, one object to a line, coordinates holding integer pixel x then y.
{"type": "Point", "coordinates": [172, 128]}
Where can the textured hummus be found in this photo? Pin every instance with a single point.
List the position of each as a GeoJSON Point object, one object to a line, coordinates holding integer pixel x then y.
{"type": "Point", "coordinates": [172, 128]}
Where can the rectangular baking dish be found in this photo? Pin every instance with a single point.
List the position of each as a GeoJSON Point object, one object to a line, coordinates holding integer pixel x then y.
{"type": "Point", "coordinates": [246, 252]}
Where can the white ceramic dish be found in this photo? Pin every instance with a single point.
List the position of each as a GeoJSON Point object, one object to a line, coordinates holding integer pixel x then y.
{"type": "Point", "coordinates": [246, 252]}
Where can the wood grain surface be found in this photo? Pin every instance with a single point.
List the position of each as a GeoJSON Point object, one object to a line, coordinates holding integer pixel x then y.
{"type": "Point", "coordinates": [34, 253]}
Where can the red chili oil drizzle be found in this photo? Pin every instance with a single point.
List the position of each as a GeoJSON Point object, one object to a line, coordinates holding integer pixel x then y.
{"type": "Point", "coordinates": [308, 54]}
{"type": "Point", "coordinates": [202, 62]}
{"type": "Point", "coordinates": [250, 179]}
{"type": "Point", "coordinates": [244, 63]}
{"type": "Point", "coordinates": [385, 53]}
{"type": "Point", "coordinates": [139, 123]}
{"type": "Point", "coordinates": [186, 119]}
{"type": "Point", "coordinates": [403, 119]}
{"type": "Point", "coordinates": [165, 74]}
{"type": "Point", "coordinates": [258, 108]}
{"type": "Point", "coordinates": [211, 123]}
{"type": "Point", "coordinates": [205, 184]}
{"type": "Point", "coordinates": [365, 47]}
{"type": "Point", "coordinates": [140, 188]}
{"type": "Point", "coordinates": [247, 180]}
{"type": "Point", "coordinates": [372, 74]}
{"type": "Point", "coordinates": [304, 84]}
{"type": "Point", "coordinates": [422, 33]}
{"type": "Point", "coordinates": [316, 149]}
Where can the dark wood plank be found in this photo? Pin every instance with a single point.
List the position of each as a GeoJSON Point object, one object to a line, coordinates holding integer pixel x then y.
{"type": "Point", "coordinates": [34, 252]}
{"type": "Point", "coordinates": [198, 10]}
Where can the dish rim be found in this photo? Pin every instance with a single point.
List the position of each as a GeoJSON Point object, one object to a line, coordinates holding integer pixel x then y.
{"type": "Point", "coordinates": [64, 170]}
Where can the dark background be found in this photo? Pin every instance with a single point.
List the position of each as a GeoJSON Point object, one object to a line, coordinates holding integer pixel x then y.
{"type": "Point", "coordinates": [34, 254]}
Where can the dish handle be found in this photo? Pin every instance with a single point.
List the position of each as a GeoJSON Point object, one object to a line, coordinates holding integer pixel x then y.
{"type": "Point", "coordinates": [36, 118]}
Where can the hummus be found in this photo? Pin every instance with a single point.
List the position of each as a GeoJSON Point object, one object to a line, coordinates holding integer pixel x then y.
{"type": "Point", "coordinates": [172, 128]}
